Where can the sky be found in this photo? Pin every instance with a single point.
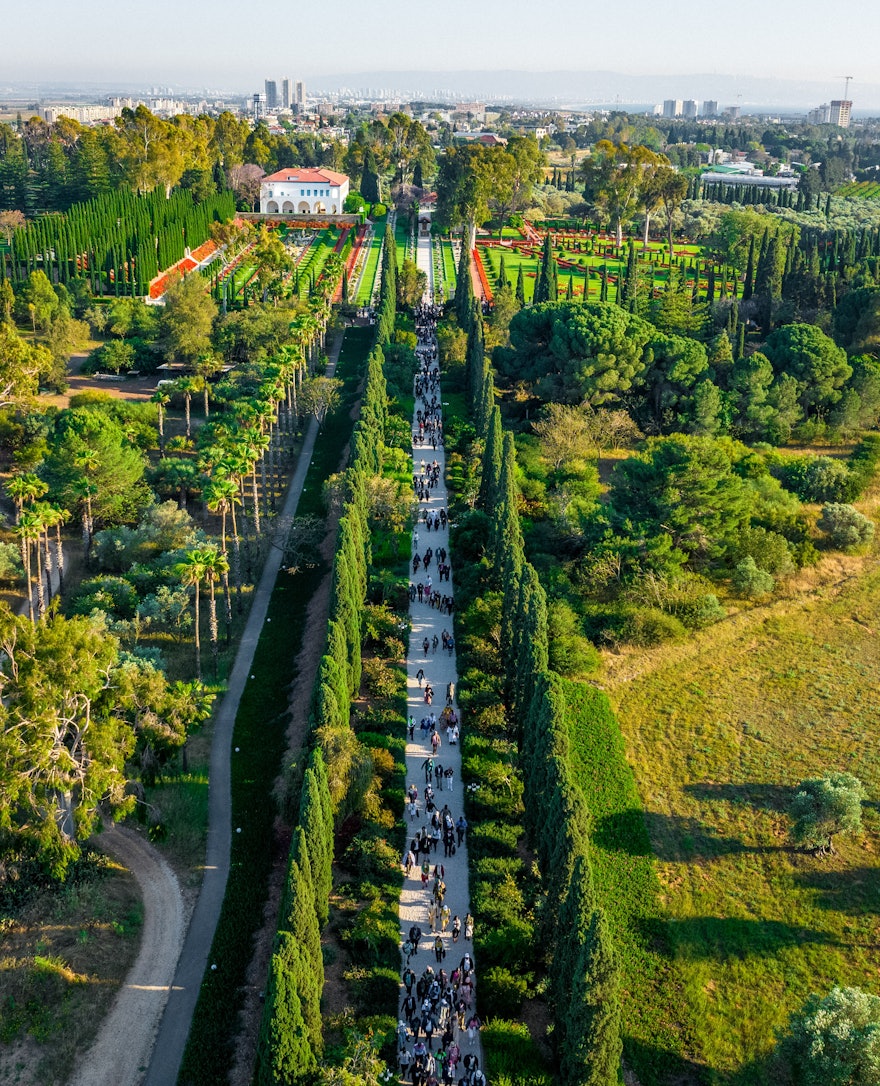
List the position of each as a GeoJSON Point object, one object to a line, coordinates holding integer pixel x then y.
{"type": "Point", "coordinates": [221, 44]}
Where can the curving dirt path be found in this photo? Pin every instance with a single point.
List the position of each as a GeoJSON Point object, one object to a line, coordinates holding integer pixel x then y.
{"type": "Point", "coordinates": [122, 1048]}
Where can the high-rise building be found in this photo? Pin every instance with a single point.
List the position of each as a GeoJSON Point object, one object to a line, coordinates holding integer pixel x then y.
{"type": "Point", "coordinates": [271, 94]}
{"type": "Point", "coordinates": [672, 107]}
{"type": "Point", "coordinates": [689, 108]}
{"type": "Point", "coordinates": [299, 96]}
{"type": "Point", "coordinates": [710, 108]}
{"type": "Point", "coordinates": [840, 113]}
{"type": "Point", "coordinates": [259, 106]}
{"type": "Point", "coordinates": [285, 94]}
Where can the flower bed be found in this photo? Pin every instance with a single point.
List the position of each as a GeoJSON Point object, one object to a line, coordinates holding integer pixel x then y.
{"type": "Point", "coordinates": [481, 272]}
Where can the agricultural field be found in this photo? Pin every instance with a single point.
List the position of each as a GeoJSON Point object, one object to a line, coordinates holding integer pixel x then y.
{"type": "Point", "coordinates": [718, 732]}
{"type": "Point", "coordinates": [861, 190]}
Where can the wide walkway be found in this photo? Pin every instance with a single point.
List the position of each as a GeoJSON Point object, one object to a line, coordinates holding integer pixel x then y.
{"type": "Point", "coordinates": [433, 758]}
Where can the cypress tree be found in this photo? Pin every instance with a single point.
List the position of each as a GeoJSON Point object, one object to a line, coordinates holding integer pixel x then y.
{"type": "Point", "coordinates": [284, 1051]}
{"type": "Point", "coordinates": [464, 287]}
{"type": "Point", "coordinates": [520, 293]}
{"type": "Point", "coordinates": [547, 289]}
{"type": "Point", "coordinates": [748, 282]}
{"type": "Point", "coordinates": [502, 273]}
{"type": "Point", "coordinates": [591, 1053]}
{"type": "Point", "coordinates": [298, 917]}
{"type": "Point", "coordinates": [504, 505]}
{"type": "Point", "coordinates": [319, 843]}
{"type": "Point", "coordinates": [370, 179]}
{"type": "Point", "coordinates": [490, 478]}
{"type": "Point", "coordinates": [569, 294]}
{"type": "Point", "coordinates": [474, 356]}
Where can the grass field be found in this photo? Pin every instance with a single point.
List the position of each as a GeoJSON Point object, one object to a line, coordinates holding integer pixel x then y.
{"type": "Point", "coordinates": [718, 732]}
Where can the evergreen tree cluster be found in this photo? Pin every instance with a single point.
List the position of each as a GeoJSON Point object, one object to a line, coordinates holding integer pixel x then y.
{"type": "Point", "coordinates": [290, 1036]}
{"type": "Point", "coordinates": [117, 242]}
{"type": "Point", "coordinates": [585, 984]}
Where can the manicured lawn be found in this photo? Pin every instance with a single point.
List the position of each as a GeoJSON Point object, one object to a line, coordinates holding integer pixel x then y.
{"type": "Point", "coordinates": [449, 266]}
{"type": "Point", "coordinates": [718, 732]}
{"type": "Point", "coordinates": [368, 280]}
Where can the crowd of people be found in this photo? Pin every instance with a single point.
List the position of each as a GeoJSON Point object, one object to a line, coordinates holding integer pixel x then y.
{"type": "Point", "coordinates": [438, 1030]}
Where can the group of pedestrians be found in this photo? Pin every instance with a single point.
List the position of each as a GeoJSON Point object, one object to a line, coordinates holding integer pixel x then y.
{"type": "Point", "coordinates": [438, 1028]}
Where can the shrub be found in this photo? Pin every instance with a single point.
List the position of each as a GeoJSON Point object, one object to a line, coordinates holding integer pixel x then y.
{"type": "Point", "coordinates": [501, 992]}
{"type": "Point", "coordinates": [817, 478]}
{"type": "Point", "coordinates": [646, 626]}
{"type": "Point", "coordinates": [381, 680]}
{"type": "Point", "coordinates": [845, 526]}
{"type": "Point", "coordinates": [750, 582]}
{"type": "Point", "coordinates": [770, 550]}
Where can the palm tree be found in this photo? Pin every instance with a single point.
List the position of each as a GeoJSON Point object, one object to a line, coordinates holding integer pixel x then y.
{"type": "Point", "coordinates": [88, 463]}
{"type": "Point", "coordinates": [191, 571]}
{"type": "Point", "coordinates": [188, 386]}
{"type": "Point", "coordinates": [161, 399]}
{"type": "Point", "coordinates": [30, 529]}
{"type": "Point", "coordinates": [216, 566]}
{"type": "Point", "coordinates": [220, 497]}
{"type": "Point", "coordinates": [25, 487]}
{"type": "Point", "coordinates": [55, 517]}
{"type": "Point", "coordinates": [208, 365]}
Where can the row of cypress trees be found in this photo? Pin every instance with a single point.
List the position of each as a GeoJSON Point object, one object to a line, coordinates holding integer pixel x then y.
{"type": "Point", "coordinates": [116, 240]}
{"type": "Point", "coordinates": [584, 976]}
{"type": "Point", "coordinates": [291, 1041]}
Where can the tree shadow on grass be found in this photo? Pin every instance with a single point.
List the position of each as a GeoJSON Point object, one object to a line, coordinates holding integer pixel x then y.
{"type": "Point", "coordinates": [653, 1063]}
{"type": "Point", "coordinates": [671, 838]}
{"type": "Point", "coordinates": [767, 797]}
{"type": "Point", "coordinates": [726, 938]}
{"type": "Point", "coordinates": [855, 891]}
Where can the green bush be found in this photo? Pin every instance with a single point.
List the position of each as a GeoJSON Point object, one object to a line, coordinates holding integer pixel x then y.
{"type": "Point", "coordinates": [501, 992]}
{"type": "Point", "coordinates": [750, 582]}
{"type": "Point", "coordinates": [647, 626]}
{"type": "Point", "coordinates": [493, 839]}
{"type": "Point", "coordinates": [845, 526]}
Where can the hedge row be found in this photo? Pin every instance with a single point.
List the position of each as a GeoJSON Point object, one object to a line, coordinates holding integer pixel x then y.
{"type": "Point", "coordinates": [291, 1040]}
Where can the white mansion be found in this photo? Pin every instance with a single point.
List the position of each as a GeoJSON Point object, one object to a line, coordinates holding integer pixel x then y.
{"type": "Point", "coordinates": [306, 191]}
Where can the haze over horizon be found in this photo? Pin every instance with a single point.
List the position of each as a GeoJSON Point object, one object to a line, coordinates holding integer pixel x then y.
{"type": "Point", "coordinates": [191, 46]}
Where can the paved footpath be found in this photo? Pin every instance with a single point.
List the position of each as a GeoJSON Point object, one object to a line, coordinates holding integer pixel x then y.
{"type": "Point", "coordinates": [440, 669]}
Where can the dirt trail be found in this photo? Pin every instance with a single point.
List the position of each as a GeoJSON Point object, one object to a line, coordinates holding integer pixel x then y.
{"type": "Point", "coordinates": [122, 1049]}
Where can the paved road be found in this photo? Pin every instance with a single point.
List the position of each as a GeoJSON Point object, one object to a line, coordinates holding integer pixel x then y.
{"type": "Point", "coordinates": [184, 990]}
{"type": "Point", "coordinates": [440, 669]}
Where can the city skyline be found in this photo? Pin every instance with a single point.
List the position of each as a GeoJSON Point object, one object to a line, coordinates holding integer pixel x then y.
{"type": "Point", "coordinates": [179, 45]}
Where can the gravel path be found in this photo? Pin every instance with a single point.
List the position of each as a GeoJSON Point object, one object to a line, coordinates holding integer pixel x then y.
{"type": "Point", "coordinates": [122, 1049]}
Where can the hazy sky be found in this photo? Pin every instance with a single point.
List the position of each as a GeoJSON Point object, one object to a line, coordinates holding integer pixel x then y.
{"type": "Point", "coordinates": [222, 44]}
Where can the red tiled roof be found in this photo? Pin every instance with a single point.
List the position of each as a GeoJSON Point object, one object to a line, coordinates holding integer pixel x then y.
{"type": "Point", "coordinates": [307, 176]}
